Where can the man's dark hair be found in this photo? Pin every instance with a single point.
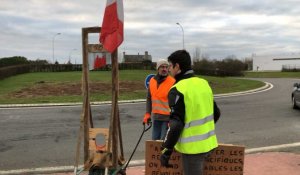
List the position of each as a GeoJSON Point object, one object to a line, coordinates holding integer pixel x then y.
{"type": "Point", "coordinates": [183, 58]}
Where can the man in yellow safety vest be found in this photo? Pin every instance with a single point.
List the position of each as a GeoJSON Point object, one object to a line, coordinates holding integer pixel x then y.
{"type": "Point", "coordinates": [192, 128]}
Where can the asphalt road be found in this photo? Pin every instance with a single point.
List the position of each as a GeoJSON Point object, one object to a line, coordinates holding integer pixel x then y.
{"type": "Point", "coordinates": [44, 137]}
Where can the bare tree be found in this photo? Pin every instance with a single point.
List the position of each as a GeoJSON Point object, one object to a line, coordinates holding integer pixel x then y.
{"type": "Point", "coordinates": [197, 54]}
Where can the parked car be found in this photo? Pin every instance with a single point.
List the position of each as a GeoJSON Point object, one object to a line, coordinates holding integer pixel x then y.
{"type": "Point", "coordinates": [296, 96]}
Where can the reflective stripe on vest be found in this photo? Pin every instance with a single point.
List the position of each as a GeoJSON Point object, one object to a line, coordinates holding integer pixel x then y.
{"type": "Point", "coordinates": [159, 96]}
{"type": "Point", "coordinates": [166, 104]}
{"type": "Point", "coordinates": [198, 135]}
{"type": "Point", "coordinates": [199, 122]}
{"type": "Point", "coordinates": [162, 107]}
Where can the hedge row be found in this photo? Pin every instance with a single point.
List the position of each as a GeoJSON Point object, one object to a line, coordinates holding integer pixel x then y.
{"type": "Point", "coordinates": [13, 70]}
{"type": "Point", "coordinates": [26, 68]}
{"type": "Point", "coordinates": [226, 67]}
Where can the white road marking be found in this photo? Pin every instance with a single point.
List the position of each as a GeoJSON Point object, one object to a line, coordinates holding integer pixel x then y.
{"type": "Point", "coordinates": [267, 87]}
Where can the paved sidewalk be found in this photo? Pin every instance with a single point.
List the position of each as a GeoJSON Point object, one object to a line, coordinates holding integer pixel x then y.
{"type": "Point", "coordinates": [269, 163]}
{"type": "Point", "coordinates": [272, 163]}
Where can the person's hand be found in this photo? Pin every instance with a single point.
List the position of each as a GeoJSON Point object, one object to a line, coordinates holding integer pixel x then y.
{"type": "Point", "coordinates": [165, 157]}
{"type": "Point", "coordinates": [147, 118]}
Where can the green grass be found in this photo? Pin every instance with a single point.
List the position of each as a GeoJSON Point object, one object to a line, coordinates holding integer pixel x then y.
{"type": "Point", "coordinates": [227, 84]}
{"type": "Point", "coordinates": [19, 82]}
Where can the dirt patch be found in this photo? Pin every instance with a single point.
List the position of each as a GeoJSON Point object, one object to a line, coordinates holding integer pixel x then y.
{"type": "Point", "coordinates": [50, 89]}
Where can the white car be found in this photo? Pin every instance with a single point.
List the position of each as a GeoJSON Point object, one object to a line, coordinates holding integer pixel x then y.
{"type": "Point", "coordinates": [296, 96]}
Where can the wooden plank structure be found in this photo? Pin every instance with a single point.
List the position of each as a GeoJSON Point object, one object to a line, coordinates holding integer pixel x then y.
{"type": "Point", "coordinates": [113, 134]}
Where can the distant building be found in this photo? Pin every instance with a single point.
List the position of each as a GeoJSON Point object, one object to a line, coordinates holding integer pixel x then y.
{"type": "Point", "coordinates": [275, 63]}
{"type": "Point", "coordinates": [137, 58]}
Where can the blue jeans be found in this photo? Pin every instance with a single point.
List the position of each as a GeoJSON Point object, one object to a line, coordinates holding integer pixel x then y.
{"type": "Point", "coordinates": [159, 129]}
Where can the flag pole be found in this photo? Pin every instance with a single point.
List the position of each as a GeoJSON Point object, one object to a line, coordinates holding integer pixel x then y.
{"type": "Point", "coordinates": [112, 35]}
{"type": "Point", "coordinates": [114, 114]}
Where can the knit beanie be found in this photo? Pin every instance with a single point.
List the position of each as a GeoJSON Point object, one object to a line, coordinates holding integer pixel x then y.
{"type": "Point", "coordinates": [161, 62]}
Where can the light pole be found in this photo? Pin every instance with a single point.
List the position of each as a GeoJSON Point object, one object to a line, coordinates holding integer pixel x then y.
{"type": "Point", "coordinates": [53, 45]}
{"type": "Point", "coordinates": [182, 34]}
{"type": "Point", "coordinates": [70, 55]}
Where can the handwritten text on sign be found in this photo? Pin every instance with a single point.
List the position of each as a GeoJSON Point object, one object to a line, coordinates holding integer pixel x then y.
{"type": "Point", "coordinates": [224, 160]}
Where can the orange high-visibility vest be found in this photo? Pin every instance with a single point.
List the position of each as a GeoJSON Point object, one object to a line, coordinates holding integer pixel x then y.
{"type": "Point", "coordinates": [159, 96]}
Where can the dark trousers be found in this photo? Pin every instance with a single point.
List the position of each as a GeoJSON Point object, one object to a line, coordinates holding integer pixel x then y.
{"type": "Point", "coordinates": [193, 163]}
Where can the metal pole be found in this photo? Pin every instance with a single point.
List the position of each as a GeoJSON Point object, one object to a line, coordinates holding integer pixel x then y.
{"type": "Point", "coordinates": [182, 34]}
{"type": "Point", "coordinates": [53, 46]}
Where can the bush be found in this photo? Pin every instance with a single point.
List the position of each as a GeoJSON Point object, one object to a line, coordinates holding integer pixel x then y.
{"type": "Point", "coordinates": [231, 67]}
{"type": "Point", "coordinates": [226, 67]}
{"type": "Point", "coordinates": [205, 67]}
{"type": "Point", "coordinates": [10, 61]}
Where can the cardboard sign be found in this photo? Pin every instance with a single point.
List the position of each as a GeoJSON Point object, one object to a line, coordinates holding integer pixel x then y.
{"type": "Point", "coordinates": [96, 48]}
{"type": "Point", "coordinates": [152, 162]}
{"type": "Point", "coordinates": [224, 160]}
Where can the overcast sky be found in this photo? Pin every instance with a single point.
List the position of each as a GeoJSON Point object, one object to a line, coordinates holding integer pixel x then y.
{"type": "Point", "coordinates": [218, 28]}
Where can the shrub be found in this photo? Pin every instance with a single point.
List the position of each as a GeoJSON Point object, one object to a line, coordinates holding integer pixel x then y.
{"type": "Point", "coordinates": [10, 61]}
{"type": "Point", "coordinates": [226, 67]}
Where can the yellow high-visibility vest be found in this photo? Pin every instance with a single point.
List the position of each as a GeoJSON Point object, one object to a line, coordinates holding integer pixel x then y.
{"type": "Point", "coordinates": [198, 135]}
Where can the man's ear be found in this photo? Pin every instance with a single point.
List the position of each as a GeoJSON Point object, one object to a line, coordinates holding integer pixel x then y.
{"type": "Point", "coordinates": [177, 66]}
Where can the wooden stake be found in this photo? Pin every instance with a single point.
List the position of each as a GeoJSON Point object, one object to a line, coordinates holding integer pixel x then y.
{"type": "Point", "coordinates": [114, 112]}
{"type": "Point", "coordinates": [120, 134]}
{"type": "Point", "coordinates": [85, 79]}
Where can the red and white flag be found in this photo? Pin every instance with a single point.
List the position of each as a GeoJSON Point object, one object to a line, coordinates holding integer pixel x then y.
{"type": "Point", "coordinates": [112, 33]}
{"type": "Point", "coordinates": [99, 60]}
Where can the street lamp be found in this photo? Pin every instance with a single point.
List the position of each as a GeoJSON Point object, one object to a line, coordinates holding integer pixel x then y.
{"type": "Point", "coordinates": [182, 34]}
{"type": "Point", "coordinates": [53, 45]}
{"type": "Point", "coordinates": [70, 55]}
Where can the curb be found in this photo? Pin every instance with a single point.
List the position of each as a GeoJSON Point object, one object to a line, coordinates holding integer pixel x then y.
{"type": "Point", "coordinates": [266, 87]}
{"type": "Point", "coordinates": [69, 104]}
{"type": "Point", "coordinates": [60, 169]}
{"type": "Point", "coordinates": [135, 163]}
{"type": "Point", "coordinates": [272, 148]}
